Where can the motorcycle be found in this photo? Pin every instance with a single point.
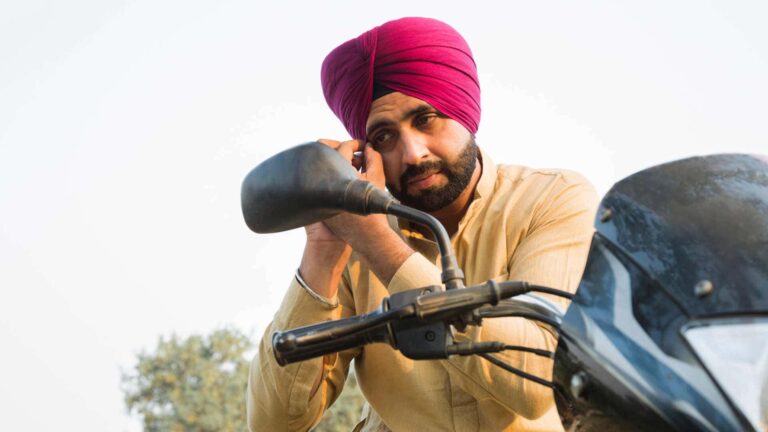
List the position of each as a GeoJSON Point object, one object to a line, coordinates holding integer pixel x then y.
{"type": "Point", "coordinates": [668, 329]}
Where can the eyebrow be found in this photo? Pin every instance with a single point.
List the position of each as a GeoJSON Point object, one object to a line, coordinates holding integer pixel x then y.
{"type": "Point", "coordinates": [411, 113]}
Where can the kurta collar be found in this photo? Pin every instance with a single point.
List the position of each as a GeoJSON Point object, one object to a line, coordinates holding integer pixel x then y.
{"type": "Point", "coordinates": [487, 178]}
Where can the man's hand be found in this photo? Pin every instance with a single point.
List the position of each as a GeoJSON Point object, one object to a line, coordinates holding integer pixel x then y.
{"type": "Point", "coordinates": [361, 155]}
{"type": "Point", "coordinates": [353, 229]}
{"type": "Point", "coordinates": [328, 242]}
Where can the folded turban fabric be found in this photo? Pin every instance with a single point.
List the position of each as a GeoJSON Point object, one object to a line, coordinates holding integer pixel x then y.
{"type": "Point", "coordinates": [420, 57]}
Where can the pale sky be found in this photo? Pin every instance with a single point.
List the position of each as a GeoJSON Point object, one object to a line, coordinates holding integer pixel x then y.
{"type": "Point", "coordinates": [126, 128]}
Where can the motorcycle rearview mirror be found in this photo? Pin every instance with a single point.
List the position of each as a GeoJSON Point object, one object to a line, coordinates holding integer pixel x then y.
{"type": "Point", "coordinates": [306, 184]}
{"type": "Point", "coordinates": [312, 182]}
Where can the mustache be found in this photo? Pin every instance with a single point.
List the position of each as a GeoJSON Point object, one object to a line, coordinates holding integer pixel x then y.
{"type": "Point", "coordinates": [414, 171]}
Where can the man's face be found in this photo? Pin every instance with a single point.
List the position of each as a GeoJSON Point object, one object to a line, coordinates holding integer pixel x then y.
{"type": "Point", "coordinates": [428, 158]}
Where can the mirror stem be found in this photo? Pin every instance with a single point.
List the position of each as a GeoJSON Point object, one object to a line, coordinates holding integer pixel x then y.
{"type": "Point", "coordinates": [452, 275]}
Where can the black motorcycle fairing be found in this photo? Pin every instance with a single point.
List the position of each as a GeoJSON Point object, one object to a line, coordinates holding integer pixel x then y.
{"type": "Point", "coordinates": [679, 242]}
{"type": "Point", "coordinates": [612, 374]}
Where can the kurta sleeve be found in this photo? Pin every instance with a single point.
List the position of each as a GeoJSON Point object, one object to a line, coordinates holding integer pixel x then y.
{"type": "Point", "coordinates": [286, 398]}
{"type": "Point", "coordinates": [552, 253]}
{"type": "Point", "coordinates": [555, 248]}
{"type": "Point", "coordinates": [415, 272]}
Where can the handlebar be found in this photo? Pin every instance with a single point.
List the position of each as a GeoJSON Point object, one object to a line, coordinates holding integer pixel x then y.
{"type": "Point", "coordinates": [415, 321]}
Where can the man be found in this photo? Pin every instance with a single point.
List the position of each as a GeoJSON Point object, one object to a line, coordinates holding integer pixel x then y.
{"type": "Point", "coordinates": [408, 94]}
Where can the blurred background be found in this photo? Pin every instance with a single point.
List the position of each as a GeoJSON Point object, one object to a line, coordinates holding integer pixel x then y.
{"type": "Point", "coordinates": [126, 128]}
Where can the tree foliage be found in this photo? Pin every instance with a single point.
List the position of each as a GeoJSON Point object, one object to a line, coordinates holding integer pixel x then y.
{"type": "Point", "coordinates": [198, 384]}
{"type": "Point", "coordinates": [194, 384]}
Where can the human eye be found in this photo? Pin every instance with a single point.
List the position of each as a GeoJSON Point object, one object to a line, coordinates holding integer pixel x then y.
{"type": "Point", "coordinates": [383, 140]}
{"type": "Point", "coordinates": [424, 119]}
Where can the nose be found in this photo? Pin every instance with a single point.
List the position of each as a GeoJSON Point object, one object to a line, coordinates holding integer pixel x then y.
{"type": "Point", "coordinates": [414, 145]}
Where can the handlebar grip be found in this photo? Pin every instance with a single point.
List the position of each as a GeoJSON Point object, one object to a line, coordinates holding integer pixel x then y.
{"type": "Point", "coordinates": [323, 338]}
{"type": "Point", "coordinates": [286, 354]}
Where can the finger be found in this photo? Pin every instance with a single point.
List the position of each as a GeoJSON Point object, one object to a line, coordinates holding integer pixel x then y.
{"type": "Point", "coordinates": [348, 148]}
{"type": "Point", "coordinates": [330, 143]}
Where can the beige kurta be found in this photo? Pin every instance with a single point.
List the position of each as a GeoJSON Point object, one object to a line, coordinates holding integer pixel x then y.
{"type": "Point", "coordinates": [523, 224]}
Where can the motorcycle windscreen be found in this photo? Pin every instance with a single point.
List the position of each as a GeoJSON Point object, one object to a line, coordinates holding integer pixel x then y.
{"type": "Point", "coordinates": [699, 228]}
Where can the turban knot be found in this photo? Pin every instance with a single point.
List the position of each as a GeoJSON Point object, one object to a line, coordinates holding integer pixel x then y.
{"type": "Point", "coordinates": [419, 57]}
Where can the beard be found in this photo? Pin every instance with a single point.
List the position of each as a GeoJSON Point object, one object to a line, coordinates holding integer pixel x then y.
{"type": "Point", "coordinates": [434, 198]}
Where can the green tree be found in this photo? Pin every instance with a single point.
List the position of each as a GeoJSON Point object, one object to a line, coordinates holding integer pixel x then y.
{"type": "Point", "coordinates": [195, 384]}
{"type": "Point", "coordinates": [198, 384]}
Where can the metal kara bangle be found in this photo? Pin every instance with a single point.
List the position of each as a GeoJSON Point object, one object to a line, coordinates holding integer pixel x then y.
{"type": "Point", "coordinates": [324, 300]}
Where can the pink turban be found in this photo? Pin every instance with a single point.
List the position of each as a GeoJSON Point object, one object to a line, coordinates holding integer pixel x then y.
{"type": "Point", "coordinates": [420, 57]}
